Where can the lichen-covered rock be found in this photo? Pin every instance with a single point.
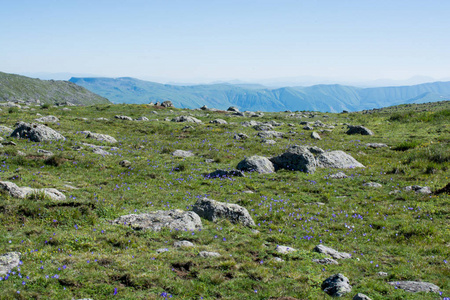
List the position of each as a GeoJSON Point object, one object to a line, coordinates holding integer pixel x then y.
{"type": "Point", "coordinates": [142, 119]}
{"type": "Point", "coordinates": [9, 261]}
{"type": "Point", "coordinates": [336, 286]}
{"type": "Point", "coordinates": [337, 159]}
{"type": "Point", "coordinates": [167, 103]}
{"type": "Point", "coordinates": [358, 130]}
{"type": "Point", "coordinates": [338, 175]}
{"type": "Point", "coordinates": [214, 210]}
{"type": "Point", "coordinates": [331, 252]}
{"type": "Point", "coordinates": [263, 127]}
{"type": "Point", "coordinates": [270, 134]}
{"type": "Point", "coordinates": [182, 153]}
{"type": "Point", "coordinates": [240, 136]}
{"type": "Point", "coordinates": [25, 192]}
{"type": "Point", "coordinates": [325, 261]}
{"type": "Point", "coordinates": [372, 184]}
{"type": "Point", "coordinates": [206, 254]}
{"type": "Point", "coordinates": [123, 118]}
{"type": "Point", "coordinates": [36, 132]}
{"type": "Point", "coordinates": [183, 244]}
{"type": "Point", "coordinates": [256, 163]}
{"type": "Point", "coordinates": [415, 286]}
{"type": "Point", "coordinates": [285, 249]}
{"type": "Point", "coordinates": [233, 108]}
{"type": "Point", "coordinates": [157, 220]}
{"type": "Point", "coordinates": [101, 137]}
{"type": "Point", "coordinates": [297, 158]}
{"type": "Point", "coordinates": [418, 189]}
{"type": "Point", "coordinates": [50, 119]}
{"type": "Point", "coordinates": [4, 129]}
{"type": "Point", "coordinates": [125, 163]}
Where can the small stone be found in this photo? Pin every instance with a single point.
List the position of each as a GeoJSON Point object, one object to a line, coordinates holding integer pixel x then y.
{"type": "Point", "coordinates": [325, 261]}
{"type": "Point", "coordinates": [125, 163]}
{"type": "Point", "coordinates": [182, 244]}
{"type": "Point", "coordinates": [372, 184]}
{"type": "Point", "coordinates": [182, 153]}
{"type": "Point", "coordinates": [206, 254]}
{"type": "Point", "coordinates": [285, 249]}
{"type": "Point", "coordinates": [415, 286]}
{"type": "Point", "coordinates": [315, 135]}
{"type": "Point", "coordinates": [331, 252]}
{"type": "Point", "coordinates": [162, 250]}
{"type": "Point", "coordinates": [360, 296]}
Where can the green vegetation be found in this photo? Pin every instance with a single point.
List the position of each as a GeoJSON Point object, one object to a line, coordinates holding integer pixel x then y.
{"type": "Point", "coordinates": [15, 87]}
{"type": "Point", "coordinates": [70, 250]}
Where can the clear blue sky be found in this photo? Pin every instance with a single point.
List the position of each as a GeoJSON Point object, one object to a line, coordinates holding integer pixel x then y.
{"type": "Point", "coordinates": [230, 39]}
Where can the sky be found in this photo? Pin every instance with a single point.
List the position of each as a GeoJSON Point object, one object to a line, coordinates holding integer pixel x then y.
{"type": "Point", "coordinates": [248, 40]}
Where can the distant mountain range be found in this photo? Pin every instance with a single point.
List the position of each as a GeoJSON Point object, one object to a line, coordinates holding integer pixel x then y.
{"type": "Point", "coordinates": [15, 87]}
{"type": "Point", "coordinates": [326, 98]}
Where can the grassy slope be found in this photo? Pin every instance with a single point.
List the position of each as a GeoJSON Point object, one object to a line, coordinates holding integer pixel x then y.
{"type": "Point", "coordinates": [405, 235]}
{"type": "Point", "coordinates": [16, 87]}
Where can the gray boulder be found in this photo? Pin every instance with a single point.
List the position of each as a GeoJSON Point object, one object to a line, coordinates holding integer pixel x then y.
{"type": "Point", "coordinates": [188, 119]}
{"type": "Point", "coordinates": [360, 296]}
{"type": "Point", "coordinates": [315, 150]}
{"type": "Point", "coordinates": [338, 175]}
{"type": "Point", "coordinates": [36, 132]}
{"type": "Point", "coordinates": [418, 189]}
{"type": "Point", "coordinates": [297, 158]}
{"type": "Point", "coordinates": [250, 123]}
{"type": "Point", "coordinates": [9, 261]}
{"type": "Point", "coordinates": [233, 108]}
{"type": "Point", "coordinates": [337, 159]}
{"type": "Point", "coordinates": [100, 151]}
{"type": "Point", "coordinates": [182, 153]}
{"type": "Point", "coordinates": [336, 286]}
{"type": "Point", "coordinates": [268, 142]}
{"type": "Point", "coordinates": [375, 145]}
{"type": "Point", "coordinates": [270, 134]}
{"type": "Point", "coordinates": [125, 163]}
{"type": "Point", "coordinates": [157, 220]}
{"type": "Point", "coordinates": [213, 210]}
{"type": "Point", "coordinates": [415, 286]}
{"type": "Point", "coordinates": [256, 163]}
{"type": "Point", "coordinates": [331, 252]}
{"type": "Point", "coordinates": [50, 119]}
{"type": "Point", "coordinates": [325, 261]}
{"type": "Point", "coordinates": [101, 137]}
{"type": "Point", "coordinates": [240, 136]}
{"type": "Point", "coordinates": [167, 103]}
{"type": "Point", "coordinates": [123, 118]}
{"type": "Point", "coordinates": [25, 192]}
{"type": "Point", "coordinates": [205, 254]}
{"type": "Point", "coordinates": [225, 173]}
{"type": "Point", "coordinates": [285, 249]}
{"type": "Point", "coordinates": [183, 244]}
{"type": "Point", "coordinates": [263, 127]}
{"type": "Point", "coordinates": [315, 135]}
{"type": "Point", "coordinates": [45, 152]}
{"type": "Point", "coordinates": [218, 121]}
{"type": "Point", "coordinates": [142, 119]}
{"type": "Point", "coordinates": [372, 184]}
{"type": "Point", "coordinates": [358, 130]}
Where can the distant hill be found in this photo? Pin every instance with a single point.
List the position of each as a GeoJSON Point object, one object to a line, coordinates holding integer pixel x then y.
{"type": "Point", "coordinates": [327, 98]}
{"type": "Point", "coordinates": [15, 87]}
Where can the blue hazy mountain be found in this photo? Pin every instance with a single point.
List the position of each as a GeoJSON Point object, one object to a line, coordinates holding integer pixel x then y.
{"type": "Point", "coordinates": [324, 97]}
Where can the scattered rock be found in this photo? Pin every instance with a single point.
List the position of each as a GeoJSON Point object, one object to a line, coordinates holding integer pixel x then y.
{"type": "Point", "coordinates": [325, 261]}
{"type": "Point", "coordinates": [240, 136]}
{"type": "Point", "coordinates": [226, 173]}
{"type": "Point", "coordinates": [142, 119]}
{"type": "Point", "coordinates": [218, 121]}
{"type": "Point", "coordinates": [336, 285]}
{"type": "Point", "coordinates": [45, 152]}
{"type": "Point", "coordinates": [415, 286]}
{"type": "Point", "coordinates": [101, 137]}
{"type": "Point", "coordinates": [418, 189]}
{"type": "Point", "coordinates": [256, 163]}
{"type": "Point", "coordinates": [375, 145]}
{"type": "Point", "coordinates": [183, 244]}
{"type": "Point", "coordinates": [358, 130]}
{"type": "Point", "coordinates": [382, 274]}
{"type": "Point", "coordinates": [315, 135]}
{"type": "Point", "coordinates": [263, 127]}
{"type": "Point", "coordinates": [123, 118]}
{"type": "Point", "coordinates": [338, 175]}
{"type": "Point", "coordinates": [36, 132]}
{"type": "Point", "coordinates": [9, 143]}
{"type": "Point", "coordinates": [213, 210]}
{"type": "Point", "coordinates": [125, 163]}
{"type": "Point", "coordinates": [285, 249]}
{"type": "Point", "coordinates": [24, 192]}
{"type": "Point", "coordinates": [100, 151]}
{"type": "Point", "coordinates": [182, 153]}
{"type": "Point", "coordinates": [360, 296]}
{"type": "Point", "coordinates": [297, 158]}
{"type": "Point", "coordinates": [337, 159]}
{"type": "Point", "coordinates": [50, 119]}
{"type": "Point", "coordinates": [157, 220]}
{"type": "Point", "coordinates": [307, 127]}
{"type": "Point", "coordinates": [206, 254]}
{"type": "Point", "coordinates": [270, 134]}
{"type": "Point", "coordinates": [277, 259]}
{"type": "Point", "coordinates": [250, 123]}
{"type": "Point", "coordinates": [162, 250]}
{"type": "Point", "coordinates": [4, 129]}
{"type": "Point", "coordinates": [188, 119]}
{"type": "Point", "coordinates": [331, 252]}
{"type": "Point", "coordinates": [9, 261]}
{"type": "Point", "coordinates": [372, 184]}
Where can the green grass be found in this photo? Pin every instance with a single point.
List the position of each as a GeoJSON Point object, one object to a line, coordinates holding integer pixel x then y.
{"type": "Point", "coordinates": [70, 250]}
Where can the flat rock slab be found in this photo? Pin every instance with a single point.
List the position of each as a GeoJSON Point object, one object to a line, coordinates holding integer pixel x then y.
{"type": "Point", "coordinates": [157, 220]}
{"type": "Point", "coordinates": [9, 261]}
{"type": "Point", "coordinates": [182, 153]}
{"type": "Point", "coordinates": [214, 210]}
{"type": "Point", "coordinates": [285, 249]}
{"type": "Point", "coordinates": [226, 173]}
{"type": "Point", "coordinates": [206, 254]}
{"type": "Point", "coordinates": [270, 134]}
{"type": "Point", "coordinates": [36, 132]}
{"type": "Point", "coordinates": [415, 286]}
{"type": "Point", "coordinates": [256, 163]}
{"type": "Point", "coordinates": [331, 252]}
{"type": "Point", "coordinates": [218, 121]}
{"type": "Point", "coordinates": [336, 286]}
{"type": "Point", "coordinates": [25, 192]}
{"type": "Point", "coordinates": [337, 159]}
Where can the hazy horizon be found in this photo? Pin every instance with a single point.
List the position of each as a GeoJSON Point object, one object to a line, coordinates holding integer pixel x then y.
{"type": "Point", "coordinates": [262, 41]}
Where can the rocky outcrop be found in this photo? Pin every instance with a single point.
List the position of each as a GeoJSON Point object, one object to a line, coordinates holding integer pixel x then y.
{"type": "Point", "coordinates": [36, 132]}
{"type": "Point", "coordinates": [214, 210]}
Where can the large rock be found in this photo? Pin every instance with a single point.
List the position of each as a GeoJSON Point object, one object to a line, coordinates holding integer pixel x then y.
{"type": "Point", "coordinates": [50, 119]}
{"type": "Point", "coordinates": [315, 135]}
{"type": "Point", "coordinates": [36, 132]}
{"type": "Point", "coordinates": [157, 220]}
{"type": "Point", "coordinates": [337, 159]}
{"type": "Point", "coordinates": [415, 286]}
{"type": "Point", "coordinates": [336, 286]}
{"type": "Point", "coordinates": [25, 192]}
{"type": "Point", "coordinates": [225, 173]}
{"type": "Point", "coordinates": [9, 261]}
{"type": "Point", "coordinates": [233, 108]}
{"type": "Point", "coordinates": [358, 130]}
{"type": "Point", "coordinates": [188, 119]}
{"type": "Point", "coordinates": [418, 189]}
{"type": "Point", "coordinates": [331, 252]}
{"type": "Point", "coordinates": [256, 163]}
{"type": "Point", "coordinates": [123, 118]}
{"type": "Point", "coordinates": [101, 137]}
{"type": "Point", "coordinates": [240, 136]}
{"type": "Point", "coordinates": [297, 158]}
{"type": "Point", "coordinates": [213, 210]}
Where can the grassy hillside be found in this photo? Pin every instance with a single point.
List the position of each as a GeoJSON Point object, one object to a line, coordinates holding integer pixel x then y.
{"type": "Point", "coordinates": [326, 98]}
{"type": "Point", "coordinates": [15, 87]}
{"type": "Point", "coordinates": [71, 251]}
